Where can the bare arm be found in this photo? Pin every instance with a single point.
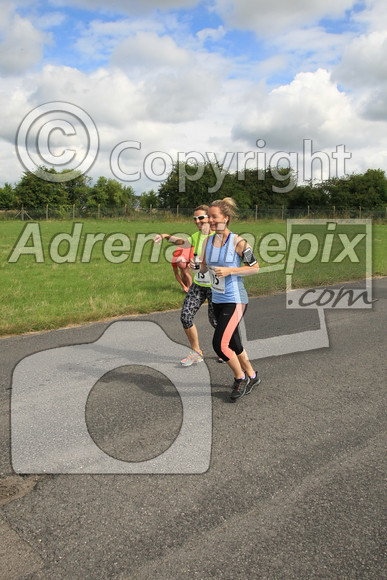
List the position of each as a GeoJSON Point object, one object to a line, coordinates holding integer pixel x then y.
{"type": "Point", "coordinates": [173, 239]}
{"type": "Point", "coordinates": [203, 263]}
{"type": "Point", "coordinates": [245, 270]}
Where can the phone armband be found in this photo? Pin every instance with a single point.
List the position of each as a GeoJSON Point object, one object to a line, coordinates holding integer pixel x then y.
{"type": "Point", "coordinates": [248, 257]}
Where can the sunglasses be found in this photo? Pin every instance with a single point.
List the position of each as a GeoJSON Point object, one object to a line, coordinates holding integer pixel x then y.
{"type": "Point", "coordinates": [200, 217]}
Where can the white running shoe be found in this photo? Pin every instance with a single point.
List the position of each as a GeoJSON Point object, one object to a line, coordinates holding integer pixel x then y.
{"type": "Point", "coordinates": [193, 357]}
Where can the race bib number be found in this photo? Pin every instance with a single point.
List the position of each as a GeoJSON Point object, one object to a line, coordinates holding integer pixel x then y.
{"type": "Point", "coordinates": [217, 284]}
{"type": "Point", "coordinates": [203, 278]}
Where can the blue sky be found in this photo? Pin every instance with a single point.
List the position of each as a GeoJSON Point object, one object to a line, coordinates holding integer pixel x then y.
{"type": "Point", "coordinates": [75, 23]}
{"type": "Point", "coordinates": [210, 77]}
{"type": "Point", "coordinates": [242, 45]}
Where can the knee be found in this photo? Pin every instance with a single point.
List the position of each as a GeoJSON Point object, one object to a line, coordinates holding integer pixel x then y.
{"type": "Point", "coordinates": [216, 345]}
{"type": "Point", "coordinates": [186, 319]}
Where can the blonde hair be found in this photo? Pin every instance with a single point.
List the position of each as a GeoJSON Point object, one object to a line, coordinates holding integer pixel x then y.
{"type": "Point", "coordinates": [227, 206]}
{"type": "Point", "coordinates": [202, 208]}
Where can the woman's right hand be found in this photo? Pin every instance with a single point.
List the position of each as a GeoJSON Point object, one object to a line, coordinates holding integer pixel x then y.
{"type": "Point", "coordinates": [158, 239]}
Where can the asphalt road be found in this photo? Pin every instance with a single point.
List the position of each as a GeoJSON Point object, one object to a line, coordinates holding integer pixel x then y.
{"type": "Point", "coordinates": [294, 486]}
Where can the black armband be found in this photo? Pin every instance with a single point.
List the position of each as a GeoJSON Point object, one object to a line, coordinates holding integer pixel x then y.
{"type": "Point", "coordinates": [248, 257]}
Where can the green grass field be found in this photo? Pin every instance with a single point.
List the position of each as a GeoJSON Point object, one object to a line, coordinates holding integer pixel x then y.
{"type": "Point", "coordinates": [46, 295]}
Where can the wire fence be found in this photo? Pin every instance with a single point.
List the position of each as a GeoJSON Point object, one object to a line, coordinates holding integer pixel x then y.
{"type": "Point", "coordinates": [51, 213]}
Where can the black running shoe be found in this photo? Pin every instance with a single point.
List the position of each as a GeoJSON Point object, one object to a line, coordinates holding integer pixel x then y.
{"type": "Point", "coordinates": [253, 383]}
{"type": "Point", "coordinates": [239, 388]}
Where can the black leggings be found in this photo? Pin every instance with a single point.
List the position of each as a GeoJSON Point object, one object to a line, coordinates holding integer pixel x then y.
{"type": "Point", "coordinates": [227, 340]}
{"type": "Point", "coordinates": [193, 300]}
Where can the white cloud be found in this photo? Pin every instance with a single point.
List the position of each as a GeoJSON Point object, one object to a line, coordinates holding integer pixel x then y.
{"type": "Point", "coordinates": [226, 115]}
{"type": "Point", "coordinates": [270, 18]}
{"type": "Point", "coordinates": [148, 49]}
{"type": "Point", "coordinates": [364, 62]}
{"type": "Point", "coordinates": [178, 84]}
{"type": "Point", "coordinates": [310, 108]}
{"type": "Point", "coordinates": [211, 34]}
{"type": "Point", "coordinates": [313, 45]}
{"type": "Point", "coordinates": [106, 95]}
{"type": "Point", "coordinates": [14, 105]}
{"type": "Point", "coordinates": [49, 20]}
{"type": "Point", "coordinates": [21, 46]}
{"type": "Point", "coordinates": [363, 70]}
{"type": "Point", "coordinates": [177, 98]}
{"type": "Point", "coordinates": [99, 39]}
{"type": "Point", "coordinates": [129, 6]}
{"type": "Point", "coordinates": [6, 13]}
{"type": "Point", "coordinates": [162, 86]}
{"type": "Point", "coordinates": [153, 113]}
{"type": "Point", "coordinates": [373, 15]}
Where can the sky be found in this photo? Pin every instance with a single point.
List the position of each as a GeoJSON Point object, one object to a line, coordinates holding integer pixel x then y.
{"type": "Point", "coordinates": [124, 88]}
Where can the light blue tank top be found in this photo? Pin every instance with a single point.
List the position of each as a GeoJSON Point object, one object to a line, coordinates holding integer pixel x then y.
{"type": "Point", "coordinates": [232, 287]}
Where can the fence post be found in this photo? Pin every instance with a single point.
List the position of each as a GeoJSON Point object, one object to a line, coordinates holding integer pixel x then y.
{"type": "Point", "coordinates": [282, 213]}
{"type": "Point", "coordinates": [360, 212]}
{"type": "Point", "coordinates": [47, 212]}
{"type": "Point", "coordinates": [334, 211]}
{"type": "Point", "coordinates": [256, 212]}
{"type": "Point", "coordinates": [177, 211]}
{"type": "Point", "coordinates": [73, 211]}
{"type": "Point", "coordinates": [308, 210]}
{"type": "Point", "coordinates": [99, 211]}
{"type": "Point", "coordinates": [22, 213]}
{"type": "Point", "coordinates": [150, 209]}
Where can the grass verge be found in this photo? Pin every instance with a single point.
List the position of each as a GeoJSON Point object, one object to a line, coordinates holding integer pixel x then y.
{"type": "Point", "coordinates": [46, 295]}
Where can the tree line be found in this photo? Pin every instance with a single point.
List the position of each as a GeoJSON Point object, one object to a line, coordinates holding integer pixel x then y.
{"type": "Point", "coordinates": [34, 192]}
{"type": "Point", "coordinates": [188, 186]}
{"type": "Point", "coordinates": [273, 188]}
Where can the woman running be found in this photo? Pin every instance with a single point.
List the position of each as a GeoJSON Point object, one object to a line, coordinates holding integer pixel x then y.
{"type": "Point", "coordinates": [200, 289]}
{"type": "Point", "coordinates": [224, 254]}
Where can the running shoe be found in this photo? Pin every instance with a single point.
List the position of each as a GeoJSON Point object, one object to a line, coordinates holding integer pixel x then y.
{"type": "Point", "coordinates": [193, 357]}
{"type": "Point", "coordinates": [253, 382]}
{"type": "Point", "coordinates": [239, 388]}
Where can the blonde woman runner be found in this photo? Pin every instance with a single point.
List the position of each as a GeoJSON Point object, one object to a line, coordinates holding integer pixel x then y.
{"type": "Point", "coordinates": [227, 258]}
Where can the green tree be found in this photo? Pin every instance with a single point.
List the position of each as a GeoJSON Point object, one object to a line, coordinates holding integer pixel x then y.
{"type": "Point", "coordinates": [111, 193]}
{"type": "Point", "coordinates": [149, 199]}
{"type": "Point", "coordinates": [77, 189]}
{"type": "Point", "coordinates": [98, 194]}
{"type": "Point", "coordinates": [186, 186]}
{"type": "Point", "coordinates": [191, 185]}
{"type": "Point", "coordinates": [120, 195]}
{"type": "Point", "coordinates": [33, 191]}
{"type": "Point", "coordinates": [270, 187]}
{"type": "Point", "coordinates": [7, 197]}
{"type": "Point", "coordinates": [312, 195]}
{"type": "Point", "coordinates": [368, 190]}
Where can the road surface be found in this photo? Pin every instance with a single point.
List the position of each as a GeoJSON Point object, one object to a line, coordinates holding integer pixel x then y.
{"type": "Point", "coordinates": [294, 487]}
